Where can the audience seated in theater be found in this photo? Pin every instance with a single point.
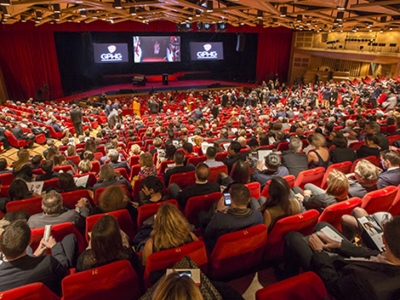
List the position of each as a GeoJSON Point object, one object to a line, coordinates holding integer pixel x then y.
{"type": "Point", "coordinates": [89, 146]}
{"type": "Point", "coordinates": [179, 159]}
{"type": "Point", "coordinates": [170, 230]}
{"type": "Point", "coordinates": [51, 152]}
{"type": "Point", "coordinates": [234, 155]}
{"type": "Point", "coordinates": [36, 162]}
{"type": "Point", "coordinates": [373, 128]}
{"type": "Point", "coordinates": [293, 160]}
{"type": "Point", "coordinates": [391, 164]}
{"type": "Point", "coordinates": [108, 177]}
{"type": "Point", "coordinates": [19, 190]}
{"type": "Point", "coordinates": [20, 135]}
{"type": "Point", "coordinates": [107, 245]}
{"type": "Point", "coordinates": [60, 160]}
{"type": "Point", "coordinates": [71, 151]}
{"type": "Point", "coordinates": [147, 168]}
{"type": "Point", "coordinates": [272, 168]}
{"type": "Point", "coordinates": [364, 179]}
{"type": "Point", "coordinates": [113, 156]}
{"type": "Point", "coordinates": [84, 166]}
{"type": "Point", "coordinates": [340, 153]}
{"type": "Point", "coordinates": [198, 140]}
{"type": "Point", "coordinates": [23, 267]}
{"type": "Point", "coordinates": [114, 198]}
{"type": "Point", "coordinates": [66, 183]}
{"type": "Point", "coordinates": [22, 167]}
{"type": "Point", "coordinates": [319, 157]}
{"type": "Point", "coordinates": [240, 174]}
{"type": "Point", "coordinates": [210, 154]}
{"type": "Point", "coordinates": [316, 198]}
{"type": "Point", "coordinates": [135, 150]}
{"type": "Point", "coordinates": [353, 272]}
{"type": "Point", "coordinates": [49, 173]}
{"type": "Point", "coordinates": [157, 142]}
{"type": "Point", "coordinates": [280, 203]}
{"type": "Point", "coordinates": [202, 186]}
{"type": "Point", "coordinates": [223, 136]}
{"type": "Point", "coordinates": [152, 191]}
{"type": "Point", "coordinates": [370, 148]}
{"type": "Point", "coordinates": [231, 218]}
{"type": "Point", "coordinates": [4, 166]}
{"type": "Point", "coordinates": [54, 212]}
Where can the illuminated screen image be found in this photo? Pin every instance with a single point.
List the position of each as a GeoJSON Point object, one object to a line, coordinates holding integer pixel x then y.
{"type": "Point", "coordinates": [206, 51]}
{"type": "Point", "coordinates": [110, 53]}
{"type": "Point", "coordinates": [156, 49]}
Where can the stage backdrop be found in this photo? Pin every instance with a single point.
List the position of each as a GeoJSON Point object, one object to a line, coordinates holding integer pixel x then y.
{"type": "Point", "coordinates": [28, 55]}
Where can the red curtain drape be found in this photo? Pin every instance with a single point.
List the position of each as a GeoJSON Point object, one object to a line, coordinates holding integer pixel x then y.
{"type": "Point", "coordinates": [273, 53]}
{"type": "Point", "coordinates": [28, 59]}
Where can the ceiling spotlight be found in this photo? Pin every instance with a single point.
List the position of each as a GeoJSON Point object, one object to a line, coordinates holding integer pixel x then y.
{"type": "Point", "coordinates": [83, 13]}
{"type": "Point", "coordinates": [197, 13]}
{"type": "Point", "coordinates": [283, 10]}
{"type": "Point", "coordinates": [69, 19]}
{"type": "Point", "coordinates": [340, 15]}
{"type": "Point", "coordinates": [299, 18]}
{"type": "Point", "coordinates": [38, 15]}
{"type": "Point", "coordinates": [5, 2]}
{"type": "Point", "coordinates": [308, 22]}
{"type": "Point", "coordinates": [132, 11]}
{"type": "Point", "coordinates": [117, 4]}
{"type": "Point", "coordinates": [57, 17]}
{"type": "Point", "coordinates": [4, 11]}
{"type": "Point", "coordinates": [210, 6]}
{"type": "Point", "coordinates": [23, 19]}
{"type": "Point", "coordinates": [57, 8]}
{"type": "Point", "coordinates": [390, 28]}
{"type": "Point", "coordinates": [259, 14]}
{"type": "Point", "coordinates": [383, 19]}
{"type": "Point", "coordinates": [291, 24]}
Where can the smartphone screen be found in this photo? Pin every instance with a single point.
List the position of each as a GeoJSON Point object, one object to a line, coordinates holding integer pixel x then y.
{"type": "Point", "coordinates": [227, 199]}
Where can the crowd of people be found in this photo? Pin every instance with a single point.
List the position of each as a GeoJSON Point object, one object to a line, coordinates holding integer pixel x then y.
{"type": "Point", "coordinates": [260, 136]}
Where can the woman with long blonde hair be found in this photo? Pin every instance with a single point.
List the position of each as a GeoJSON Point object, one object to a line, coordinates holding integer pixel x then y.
{"type": "Point", "coordinates": [22, 167]}
{"type": "Point", "coordinates": [170, 230]}
{"type": "Point", "coordinates": [176, 287]}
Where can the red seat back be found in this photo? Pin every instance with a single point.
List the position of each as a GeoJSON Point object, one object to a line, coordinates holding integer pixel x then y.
{"type": "Point", "coordinates": [371, 158]}
{"type": "Point", "coordinates": [135, 169]}
{"type": "Point", "coordinates": [333, 213]}
{"type": "Point", "coordinates": [313, 176]}
{"type": "Point", "coordinates": [343, 167]}
{"type": "Point", "coordinates": [289, 178]}
{"type": "Point", "coordinates": [183, 180]}
{"type": "Point", "coordinates": [30, 291]}
{"type": "Point", "coordinates": [64, 168]}
{"type": "Point", "coordinates": [13, 140]}
{"type": "Point", "coordinates": [237, 251]}
{"type": "Point", "coordinates": [7, 178]}
{"type": "Point", "coordinates": [91, 180]}
{"type": "Point", "coordinates": [303, 222]}
{"type": "Point", "coordinates": [306, 286]}
{"type": "Point", "coordinates": [147, 210]}
{"type": "Point", "coordinates": [70, 198]}
{"type": "Point", "coordinates": [393, 138]}
{"type": "Point", "coordinates": [380, 200]}
{"type": "Point", "coordinates": [221, 156]}
{"type": "Point", "coordinates": [133, 160]}
{"type": "Point", "coordinates": [195, 160]}
{"type": "Point", "coordinates": [114, 280]}
{"type": "Point", "coordinates": [395, 207]}
{"type": "Point", "coordinates": [31, 206]}
{"type": "Point", "coordinates": [123, 172]}
{"type": "Point", "coordinates": [283, 146]}
{"type": "Point", "coordinates": [254, 188]}
{"type": "Point", "coordinates": [58, 231]}
{"type": "Point", "coordinates": [123, 218]}
{"type": "Point", "coordinates": [356, 145]}
{"type": "Point", "coordinates": [197, 204]}
{"type": "Point", "coordinates": [167, 258]}
{"type": "Point", "coordinates": [215, 171]}
{"type": "Point", "coordinates": [95, 167]}
{"type": "Point", "coordinates": [98, 192]}
{"type": "Point", "coordinates": [75, 159]}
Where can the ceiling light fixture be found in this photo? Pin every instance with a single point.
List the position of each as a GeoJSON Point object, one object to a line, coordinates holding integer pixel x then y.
{"type": "Point", "coordinates": [38, 15]}
{"type": "Point", "coordinates": [383, 19]}
{"type": "Point", "coordinates": [132, 11]}
{"type": "Point", "coordinates": [117, 4]}
{"type": "Point", "coordinates": [340, 15]}
{"type": "Point", "coordinates": [259, 14]}
{"type": "Point", "coordinates": [210, 6]}
{"type": "Point", "coordinates": [57, 17]}
{"type": "Point", "coordinates": [283, 10]}
{"type": "Point", "coordinates": [57, 8]}
{"type": "Point", "coordinates": [299, 18]}
{"type": "Point", "coordinates": [5, 2]}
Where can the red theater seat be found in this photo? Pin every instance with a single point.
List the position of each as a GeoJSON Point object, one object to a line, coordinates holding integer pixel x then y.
{"type": "Point", "coordinates": [344, 167]}
{"type": "Point", "coordinates": [123, 172]}
{"type": "Point", "coordinates": [215, 171]}
{"type": "Point", "coordinates": [65, 169]}
{"type": "Point", "coordinates": [14, 141]}
{"type": "Point", "coordinates": [147, 210]}
{"type": "Point", "coordinates": [30, 292]}
{"type": "Point", "coordinates": [303, 222]}
{"type": "Point", "coordinates": [313, 176]}
{"type": "Point", "coordinates": [75, 159]}
{"type": "Point", "coordinates": [371, 158]}
{"type": "Point", "coordinates": [116, 280]}
{"type": "Point", "coordinates": [221, 156]}
{"type": "Point", "coordinates": [95, 167]}
{"type": "Point", "coordinates": [195, 160]}
{"type": "Point", "coordinates": [254, 188]}
{"type": "Point", "coordinates": [6, 178]}
{"type": "Point", "coordinates": [98, 192]}
{"type": "Point", "coordinates": [123, 218]}
{"type": "Point", "coordinates": [333, 213]}
{"type": "Point", "coordinates": [70, 198]}
{"type": "Point", "coordinates": [237, 252]}
{"type": "Point", "coordinates": [31, 206]}
{"type": "Point", "coordinates": [197, 204]}
{"type": "Point", "coordinates": [289, 178]}
{"type": "Point", "coordinates": [183, 180]}
{"type": "Point", "coordinates": [306, 286]}
{"type": "Point", "coordinates": [167, 258]}
{"type": "Point", "coordinates": [380, 200]}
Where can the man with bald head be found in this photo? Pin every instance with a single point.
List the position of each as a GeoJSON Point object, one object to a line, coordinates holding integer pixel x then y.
{"type": "Point", "coordinates": [202, 186]}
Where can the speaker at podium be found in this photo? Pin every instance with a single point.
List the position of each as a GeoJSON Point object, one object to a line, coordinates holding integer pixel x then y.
{"type": "Point", "coordinates": [165, 79]}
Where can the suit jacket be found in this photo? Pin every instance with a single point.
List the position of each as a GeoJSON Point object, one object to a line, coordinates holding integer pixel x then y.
{"type": "Point", "coordinates": [46, 176]}
{"type": "Point", "coordinates": [120, 164]}
{"type": "Point", "coordinates": [383, 141]}
{"type": "Point", "coordinates": [105, 183]}
{"type": "Point", "coordinates": [196, 190]}
{"type": "Point", "coordinates": [389, 177]}
{"type": "Point", "coordinates": [295, 163]}
{"type": "Point", "coordinates": [76, 116]}
{"type": "Point", "coordinates": [338, 155]}
{"type": "Point", "coordinates": [356, 280]}
{"type": "Point", "coordinates": [17, 132]}
{"type": "Point", "coordinates": [230, 161]}
{"type": "Point", "coordinates": [49, 270]}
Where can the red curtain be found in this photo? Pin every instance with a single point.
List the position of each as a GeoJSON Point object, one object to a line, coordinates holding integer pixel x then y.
{"type": "Point", "coordinates": [273, 53]}
{"type": "Point", "coordinates": [28, 59]}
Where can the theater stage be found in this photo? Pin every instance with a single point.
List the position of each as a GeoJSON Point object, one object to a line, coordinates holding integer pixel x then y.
{"type": "Point", "coordinates": [173, 85]}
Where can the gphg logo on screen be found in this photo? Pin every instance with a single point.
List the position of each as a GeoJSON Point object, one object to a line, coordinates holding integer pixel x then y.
{"type": "Point", "coordinates": [207, 53]}
{"type": "Point", "coordinates": [111, 56]}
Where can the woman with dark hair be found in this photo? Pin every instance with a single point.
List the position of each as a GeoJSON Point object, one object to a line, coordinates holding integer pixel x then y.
{"type": "Point", "coordinates": [240, 174]}
{"type": "Point", "coordinates": [370, 148]}
{"type": "Point", "coordinates": [59, 160]}
{"type": "Point", "coordinates": [107, 247]}
{"type": "Point", "coordinates": [90, 146]}
{"type": "Point", "coordinates": [152, 191]}
{"type": "Point", "coordinates": [169, 155]}
{"type": "Point", "coordinates": [19, 190]}
{"type": "Point", "coordinates": [66, 183]}
{"type": "Point", "coordinates": [22, 167]}
{"type": "Point", "coordinates": [340, 152]}
{"type": "Point", "coordinates": [279, 204]}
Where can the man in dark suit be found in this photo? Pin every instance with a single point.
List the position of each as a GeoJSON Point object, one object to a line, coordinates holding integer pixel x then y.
{"type": "Point", "coordinates": [352, 272]}
{"type": "Point", "coordinates": [20, 268]}
{"type": "Point", "coordinates": [391, 164]}
{"type": "Point", "coordinates": [47, 167]}
{"type": "Point", "coordinates": [3, 139]}
{"type": "Point", "coordinates": [76, 118]}
{"type": "Point", "coordinates": [202, 186]}
{"type": "Point", "coordinates": [179, 159]}
{"type": "Point", "coordinates": [20, 135]}
{"type": "Point", "coordinates": [292, 159]}
{"type": "Point", "coordinates": [234, 155]}
{"type": "Point", "coordinates": [374, 128]}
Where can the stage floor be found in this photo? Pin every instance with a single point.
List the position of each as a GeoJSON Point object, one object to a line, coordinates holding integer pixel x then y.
{"type": "Point", "coordinates": [158, 86]}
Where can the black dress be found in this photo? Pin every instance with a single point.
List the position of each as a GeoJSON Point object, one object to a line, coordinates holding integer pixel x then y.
{"type": "Point", "coordinates": [365, 151]}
